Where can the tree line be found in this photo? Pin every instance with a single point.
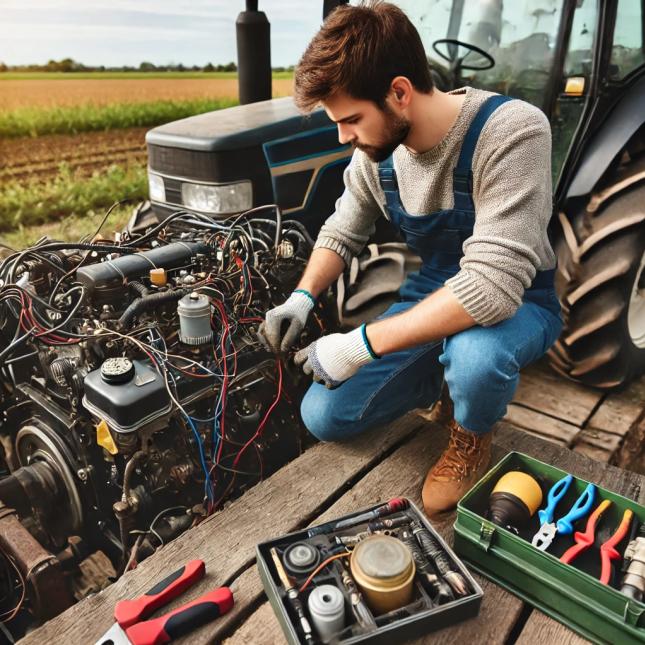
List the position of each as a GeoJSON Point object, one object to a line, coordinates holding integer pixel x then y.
{"type": "Point", "coordinates": [70, 65]}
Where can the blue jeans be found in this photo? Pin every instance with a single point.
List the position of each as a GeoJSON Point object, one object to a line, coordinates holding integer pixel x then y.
{"type": "Point", "coordinates": [480, 365]}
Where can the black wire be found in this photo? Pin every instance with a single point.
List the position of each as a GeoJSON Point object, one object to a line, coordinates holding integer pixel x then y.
{"type": "Point", "coordinates": [105, 217]}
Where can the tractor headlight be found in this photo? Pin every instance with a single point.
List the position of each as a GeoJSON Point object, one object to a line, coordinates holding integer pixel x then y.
{"type": "Point", "coordinates": [156, 188]}
{"type": "Point", "coordinates": [223, 198]}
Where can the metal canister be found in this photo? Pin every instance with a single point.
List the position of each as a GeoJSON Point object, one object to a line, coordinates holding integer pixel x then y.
{"type": "Point", "coordinates": [327, 611]}
{"type": "Point", "coordinates": [383, 568]}
{"type": "Point", "coordinates": [194, 319]}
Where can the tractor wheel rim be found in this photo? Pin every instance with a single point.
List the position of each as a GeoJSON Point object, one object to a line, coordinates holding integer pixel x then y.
{"type": "Point", "coordinates": [636, 313]}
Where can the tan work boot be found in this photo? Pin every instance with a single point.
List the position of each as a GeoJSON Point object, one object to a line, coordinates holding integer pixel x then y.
{"type": "Point", "coordinates": [461, 465]}
{"type": "Point", "coordinates": [442, 411]}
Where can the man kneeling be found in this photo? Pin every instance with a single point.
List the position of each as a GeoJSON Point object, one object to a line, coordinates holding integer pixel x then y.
{"type": "Point", "coordinates": [465, 176]}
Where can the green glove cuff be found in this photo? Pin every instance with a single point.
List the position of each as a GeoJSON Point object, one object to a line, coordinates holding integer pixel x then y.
{"type": "Point", "coordinates": [306, 293]}
{"type": "Point", "coordinates": [373, 354]}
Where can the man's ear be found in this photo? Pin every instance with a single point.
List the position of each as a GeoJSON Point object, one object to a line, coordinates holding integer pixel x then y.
{"type": "Point", "coordinates": [401, 89]}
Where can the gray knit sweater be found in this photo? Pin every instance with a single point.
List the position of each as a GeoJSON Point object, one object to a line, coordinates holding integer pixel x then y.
{"type": "Point", "coordinates": [511, 192]}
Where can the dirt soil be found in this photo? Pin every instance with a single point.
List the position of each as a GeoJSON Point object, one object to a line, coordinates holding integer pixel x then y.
{"type": "Point", "coordinates": [64, 92]}
{"type": "Point", "coordinates": [39, 158]}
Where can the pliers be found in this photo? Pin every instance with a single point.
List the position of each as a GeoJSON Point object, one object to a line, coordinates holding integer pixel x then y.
{"type": "Point", "coordinates": [564, 526]}
{"type": "Point", "coordinates": [586, 540]}
{"type": "Point", "coordinates": [128, 630]}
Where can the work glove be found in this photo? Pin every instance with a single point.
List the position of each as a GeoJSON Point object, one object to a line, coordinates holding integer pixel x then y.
{"type": "Point", "coordinates": [335, 358]}
{"type": "Point", "coordinates": [295, 311]}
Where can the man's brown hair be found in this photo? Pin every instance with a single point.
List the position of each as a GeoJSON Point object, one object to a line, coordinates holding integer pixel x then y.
{"type": "Point", "coordinates": [359, 50]}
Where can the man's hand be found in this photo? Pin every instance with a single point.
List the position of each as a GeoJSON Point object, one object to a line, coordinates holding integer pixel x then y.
{"type": "Point", "coordinates": [294, 311]}
{"type": "Point", "coordinates": [333, 359]}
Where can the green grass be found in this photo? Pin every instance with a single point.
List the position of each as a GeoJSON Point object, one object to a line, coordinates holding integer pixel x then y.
{"type": "Point", "coordinates": [70, 229]}
{"type": "Point", "coordinates": [55, 76]}
{"type": "Point", "coordinates": [34, 122]}
{"type": "Point", "coordinates": [74, 202]}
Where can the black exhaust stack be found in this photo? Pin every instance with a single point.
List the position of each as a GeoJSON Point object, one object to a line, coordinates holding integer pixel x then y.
{"type": "Point", "coordinates": [253, 54]}
{"type": "Point", "coordinates": [330, 5]}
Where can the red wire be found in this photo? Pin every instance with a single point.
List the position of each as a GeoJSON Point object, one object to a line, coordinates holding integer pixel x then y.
{"type": "Point", "coordinates": [266, 416]}
{"type": "Point", "coordinates": [257, 433]}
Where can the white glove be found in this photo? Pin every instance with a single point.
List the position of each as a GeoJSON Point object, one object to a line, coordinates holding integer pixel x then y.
{"type": "Point", "coordinates": [295, 311]}
{"type": "Point", "coordinates": [335, 358]}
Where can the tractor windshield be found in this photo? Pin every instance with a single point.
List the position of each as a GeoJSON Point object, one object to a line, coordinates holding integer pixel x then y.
{"type": "Point", "coordinates": [505, 47]}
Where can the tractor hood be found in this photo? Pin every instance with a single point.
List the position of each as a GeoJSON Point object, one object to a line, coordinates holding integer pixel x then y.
{"type": "Point", "coordinates": [238, 127]}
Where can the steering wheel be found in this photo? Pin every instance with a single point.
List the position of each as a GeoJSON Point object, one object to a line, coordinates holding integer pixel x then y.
{"type": "Point", "coordinates": [456, 62]}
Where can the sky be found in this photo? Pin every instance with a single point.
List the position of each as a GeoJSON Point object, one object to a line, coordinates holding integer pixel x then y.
{"type": "Point", "coordinates": [121, 32]}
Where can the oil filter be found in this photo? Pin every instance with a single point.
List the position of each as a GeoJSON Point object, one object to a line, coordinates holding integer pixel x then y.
{"type": "Point", "coordinates": [194, 312]}
{"type": "Point", "coordinates": [383, 568]}
{"type": "Point", "coordinates": [327, 610]}
{"type": "Point", "coordinates": [514, 500]}
{"type": "Point", "coordinates": [300, 559]}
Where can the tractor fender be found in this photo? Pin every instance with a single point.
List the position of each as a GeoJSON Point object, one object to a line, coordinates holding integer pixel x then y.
{"type": "Point", "coordinates": [623, 121]}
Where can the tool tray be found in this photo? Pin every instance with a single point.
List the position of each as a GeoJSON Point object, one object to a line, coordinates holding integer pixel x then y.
{"type": "Point", "coordinates": [418, 617]}
{"type": "Point", "coordinates": [570, 593]}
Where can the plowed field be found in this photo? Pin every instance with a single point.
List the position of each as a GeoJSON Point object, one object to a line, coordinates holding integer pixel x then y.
{"type": "Point", "coordinates": [39, 158]}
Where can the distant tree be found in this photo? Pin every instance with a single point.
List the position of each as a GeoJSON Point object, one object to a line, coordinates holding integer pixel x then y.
{"type": "Point", "coordinates": [209, 67]}
{"type": "Point", "coordinates": [3, 67]}
{"type": "Point", "coordinates": [147, 67]}
{"type": "Point", "coordinates": [231, 67]}
{"type": "Point", "coordinates": [68, 65]}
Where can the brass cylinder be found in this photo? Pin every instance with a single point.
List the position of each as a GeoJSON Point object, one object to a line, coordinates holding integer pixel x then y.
{"type": "Point", "coordinates": [383, 568]}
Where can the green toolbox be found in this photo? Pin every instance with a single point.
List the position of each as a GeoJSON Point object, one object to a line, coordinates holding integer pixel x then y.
{"type": "Point", "coordinates": [570, 548]}
{"type": "Point", "coordinates": [380, 575]}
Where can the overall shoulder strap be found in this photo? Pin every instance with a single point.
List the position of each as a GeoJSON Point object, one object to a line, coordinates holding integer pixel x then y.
{"type": "Point", "coordinates": [389, 184]}
{"type": "Point", "coordinates": [387, 175]}
{"type": "Point", "coordinates": [463, 174]}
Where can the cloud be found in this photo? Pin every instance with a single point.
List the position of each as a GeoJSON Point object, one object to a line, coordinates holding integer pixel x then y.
{"type": "Point", "coordinates": [120, 32]}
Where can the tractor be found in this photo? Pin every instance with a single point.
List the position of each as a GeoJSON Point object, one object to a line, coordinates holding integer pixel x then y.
{"type": "Point", "coordinates": [581, 61]}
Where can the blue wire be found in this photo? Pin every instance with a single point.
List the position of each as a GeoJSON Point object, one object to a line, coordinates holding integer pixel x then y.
{"type": "Point", "coordinates": [202, 457]}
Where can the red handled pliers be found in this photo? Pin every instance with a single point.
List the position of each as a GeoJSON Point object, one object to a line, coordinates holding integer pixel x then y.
{"type": "Point", "coordinates": [129, 630]}
{"type": "Point", "coordinates": [586, 540]}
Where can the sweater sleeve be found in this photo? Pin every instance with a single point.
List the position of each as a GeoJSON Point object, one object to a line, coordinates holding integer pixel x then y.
{"type": "Point", "coordinates": [349, 228]}
{"type": "Point", "coordinates": [513, 205]}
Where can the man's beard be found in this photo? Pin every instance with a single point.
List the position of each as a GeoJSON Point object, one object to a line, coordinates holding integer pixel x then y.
{"type": "Point", "coordinates": [397, 129]}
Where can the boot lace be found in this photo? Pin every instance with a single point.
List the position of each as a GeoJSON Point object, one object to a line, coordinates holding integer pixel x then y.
{"type": "Point", "coordinates": [461, 457]}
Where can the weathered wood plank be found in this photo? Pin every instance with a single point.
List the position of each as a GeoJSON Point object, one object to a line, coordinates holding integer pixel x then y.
{"type": "Point", "coordinates": [632, 453]}
{"type": "Point", "coordinates": [543, 390]}
{"type": "Point", "coordinates": [620, 410]}
{"type": "Point", "coordinates": [542, 629]}
{"type": "Point", "coordinates": [262, 627]}
{"type": "Point", "coordinates": [225, 541]}
{"type": "Point", "coordinates": [542, 425]}
{"type": "Point", "coordinates": [402, 474]}
{"type": "Point", "coordinates": [598, 444]}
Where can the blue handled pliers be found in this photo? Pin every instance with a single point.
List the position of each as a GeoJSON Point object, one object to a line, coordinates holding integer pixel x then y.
{"type": "Point", "coordinates": [548, 528]}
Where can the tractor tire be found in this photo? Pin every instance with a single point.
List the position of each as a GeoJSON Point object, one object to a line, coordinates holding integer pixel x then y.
{"type": "Point", "coordinates": [600, 282]}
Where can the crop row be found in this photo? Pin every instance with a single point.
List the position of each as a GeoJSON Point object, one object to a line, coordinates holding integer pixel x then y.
{"type": "Point", "coordinates": [34, 122]}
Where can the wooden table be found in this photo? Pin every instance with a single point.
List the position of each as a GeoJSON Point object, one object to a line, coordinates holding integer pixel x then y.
{"type": "Point", "coordinates": [326, 481]}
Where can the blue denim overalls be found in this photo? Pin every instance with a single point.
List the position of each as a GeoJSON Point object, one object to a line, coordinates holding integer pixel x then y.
{"type": "Point", "coordinates": [480, 365]}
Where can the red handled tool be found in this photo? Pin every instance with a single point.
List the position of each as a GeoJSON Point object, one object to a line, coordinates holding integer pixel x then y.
{"type": "Point", "coordinates": [586, 540]}
{"type": "Point", "coordinates": [608, 551]}
{"type": "Point", "coordinates": [129, 630]}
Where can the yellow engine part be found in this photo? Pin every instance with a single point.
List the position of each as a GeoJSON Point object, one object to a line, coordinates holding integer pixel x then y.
{"type": "Point", "coordinates": [523, 486]}
{"type": "Point", "coordinates": [104, 438]}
